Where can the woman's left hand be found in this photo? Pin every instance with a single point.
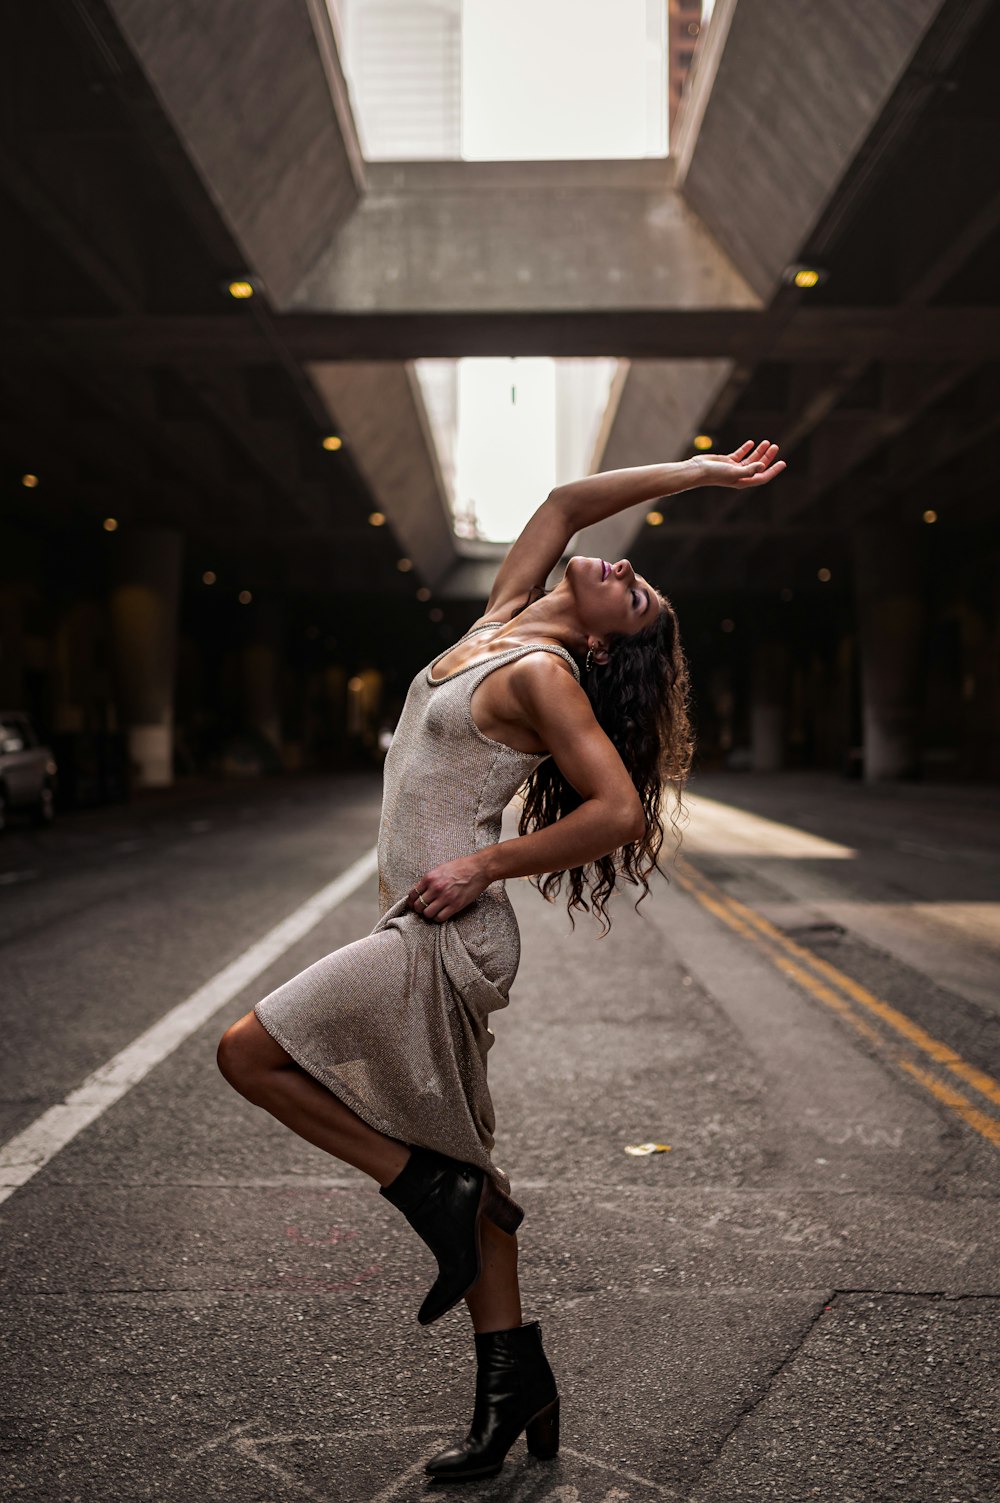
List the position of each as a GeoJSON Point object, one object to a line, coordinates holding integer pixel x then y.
{"type": "Point", "coordinates": [746, 468]}
{"type": "Point", "coordinates": [446, 889]}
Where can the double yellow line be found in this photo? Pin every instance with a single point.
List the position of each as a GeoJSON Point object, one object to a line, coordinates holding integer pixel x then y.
{"type": "Point", "coordinates": [854, 1003]}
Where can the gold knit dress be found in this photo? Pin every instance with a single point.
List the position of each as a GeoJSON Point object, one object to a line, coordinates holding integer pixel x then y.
{"type": "Point", "coordinates": [397, 1024]}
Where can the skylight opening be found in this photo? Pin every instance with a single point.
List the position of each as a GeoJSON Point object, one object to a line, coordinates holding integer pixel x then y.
{"type": "Point", "coordinates": [508, 430]}
{"type": "Point", "coordinates": [560, 80]}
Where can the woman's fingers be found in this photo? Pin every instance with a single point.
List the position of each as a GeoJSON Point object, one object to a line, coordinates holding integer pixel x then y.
{"type": "Point", "coordinates": [763, 476]}
{"type": "Point", "coordinates": [429, 907]}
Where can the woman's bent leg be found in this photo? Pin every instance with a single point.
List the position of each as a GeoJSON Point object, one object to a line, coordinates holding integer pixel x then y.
{"type": "Point", "coordinates": [258, 1067]}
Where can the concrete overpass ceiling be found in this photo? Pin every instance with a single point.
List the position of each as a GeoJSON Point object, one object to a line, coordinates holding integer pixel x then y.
{"type": "Point", "coordinates": [109, 223]}
{"type": "Point", "coordinates": [184, 407]}
{"type": "Point", "coordinates": [262, 110]}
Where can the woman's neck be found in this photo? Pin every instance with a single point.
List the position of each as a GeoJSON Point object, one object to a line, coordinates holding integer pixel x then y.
{"type": "Point", "coordinates": [553, 617]}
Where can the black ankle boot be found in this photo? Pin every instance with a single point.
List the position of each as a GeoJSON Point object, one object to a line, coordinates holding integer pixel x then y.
{"type": "Point", "coordinates": [515, 1391]}
{"type": "Point", "coordinates": [444, 1200]}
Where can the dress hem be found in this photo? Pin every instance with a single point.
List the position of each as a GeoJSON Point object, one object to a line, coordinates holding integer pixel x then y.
{"type": "Point", "coordinates": [336, 1087]}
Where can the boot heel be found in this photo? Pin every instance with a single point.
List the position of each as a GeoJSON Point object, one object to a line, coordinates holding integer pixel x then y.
{"type": "Point", "coordinates": [501, 1211]}
{"type": "Point", "coordinates": [542, 1433]}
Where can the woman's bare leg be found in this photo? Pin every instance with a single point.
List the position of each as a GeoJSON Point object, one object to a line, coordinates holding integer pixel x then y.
{"type": "Point", "coordinates": [265, 1074]}
{"type": "Point", "coordinates": [494, 1300]}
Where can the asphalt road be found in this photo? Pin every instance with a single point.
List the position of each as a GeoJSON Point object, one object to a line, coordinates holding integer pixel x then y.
{"type": "Point", "coordinates": [797, 1299]}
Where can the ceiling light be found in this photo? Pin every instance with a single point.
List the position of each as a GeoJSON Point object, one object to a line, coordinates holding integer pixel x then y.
{"type": "Point", "coordinates": [245, 597]}
{"type": "Point", "coordinates": [702, 441]}
{"type": "Point", "coordinates": [404, 565]}
{"type": "Point", "coordinates": [423, 593]}
{"type": "Point", "coordinates": [437, 614]}
{"type": "Point", "coordinates": [30, 481]}
{"type": "Point", "coordinates": [930, 515]}
{"type": "Point", "coordinates": [208, 577]}
{"type": "Point", "coordinates": [823, 574]}
{"type": "Point", "coordinates": [805, 277]}
{"type": "Point", "coordinates": [376, 518]}
{"type": "Point", "coordinates": [332, 442]}
{"type": "Point", "coordinates": [654, 518]}
{"type": "Point", "coordinates": [110, 524]}
{"type": "Point", "coordinates": [240, 290]}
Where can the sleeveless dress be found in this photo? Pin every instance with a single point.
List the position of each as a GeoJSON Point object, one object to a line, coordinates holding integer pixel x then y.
{"type": "Point", "coordinates": [397, 1024]}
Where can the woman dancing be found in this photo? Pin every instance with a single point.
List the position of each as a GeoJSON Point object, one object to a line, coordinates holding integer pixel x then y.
{"type": "Point", "coordinates": [377, 1053]}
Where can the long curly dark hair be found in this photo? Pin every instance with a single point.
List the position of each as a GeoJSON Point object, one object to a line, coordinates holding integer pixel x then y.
{"type": "Point", "coordinates": [640, 698]}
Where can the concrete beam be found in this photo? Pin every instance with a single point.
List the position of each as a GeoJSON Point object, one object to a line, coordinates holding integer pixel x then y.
{"type": "Point", "coordinates": [378, 409]}
{"type": "Point", "coordinates": [255, 93]}
{"type": "Point", "coordinates": [895, 336]}
{"type": "Point", "coordinates": [479, 237]}
{"type": "Point", "coordinates": [781, 98]}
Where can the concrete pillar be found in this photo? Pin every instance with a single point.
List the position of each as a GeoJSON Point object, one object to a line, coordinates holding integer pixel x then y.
{"type": "Point", "coordinates": [261, 661]}
{"type": "Point", "coordinates": [143, 607]}
{"type": "Point", "coordinates": [768, 701]}
{"type": "Point", "coordinates": [891, 604]}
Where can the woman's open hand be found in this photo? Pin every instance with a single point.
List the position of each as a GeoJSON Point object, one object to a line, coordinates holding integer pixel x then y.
{"type": "Point", "coordinates": [446, 889]}
{"type": "Point", "coordinates": [747, 467]}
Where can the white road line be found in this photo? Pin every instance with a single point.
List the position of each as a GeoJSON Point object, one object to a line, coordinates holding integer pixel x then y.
{"type": "Point", "coordinates": [22, 1156]}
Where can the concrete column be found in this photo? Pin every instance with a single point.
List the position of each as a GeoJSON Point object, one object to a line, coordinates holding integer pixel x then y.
{"type": "Point", "coordinates": [888, 573]}
{"type": "Point", "coordinates": [768, 701]}
{"type": "Point", "coordinates": [143, 606]}
{"type": "Point", "coordinates": [261, 660]}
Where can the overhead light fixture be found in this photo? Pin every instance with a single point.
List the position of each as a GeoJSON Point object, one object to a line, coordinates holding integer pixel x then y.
{"type": "Point", "coordinates": [805, 277]}
{"type": "Point", "coordinates": [245, 597]}
{"type": "Point", "coordinates": [930, 515]}
{"type": "Point", "coordinates": [30, 481]}
{"type": "Point", "coordinates": [332, 442]}
{"type": "Point", "coordinates": [654, 518]}
{"type": "Point", "coordinates": [242, 288]}
{"type": "Point", "coordinates": [404, 565]}
{"type": "Point", "coordinates": [208, 577]}
{"type": "Point", "coordinates": [703, 441]}
{"type": "Point", "coordinates": [423, 593]}
{"type": "Point", "coordinates": [110, 524]}
{"type": "Point", "coordinates": [376, 518]}
{"type": "Point", "coordinates": [823, 574]}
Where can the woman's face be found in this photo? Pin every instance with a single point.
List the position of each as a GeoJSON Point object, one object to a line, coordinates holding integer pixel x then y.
{"type": "Point", "coordinates": [611, 597]}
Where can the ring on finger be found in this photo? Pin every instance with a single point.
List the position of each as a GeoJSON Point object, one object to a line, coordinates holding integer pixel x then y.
{"type": "Point", "coordinates": [422, 899]}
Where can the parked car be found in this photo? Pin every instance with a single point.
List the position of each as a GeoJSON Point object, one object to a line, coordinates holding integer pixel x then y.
{"type": "Point", "coordinates": [28, 770]}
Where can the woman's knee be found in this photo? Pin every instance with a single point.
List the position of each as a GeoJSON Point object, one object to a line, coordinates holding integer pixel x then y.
{"type": "Point", "coordinates": [246, 1053]}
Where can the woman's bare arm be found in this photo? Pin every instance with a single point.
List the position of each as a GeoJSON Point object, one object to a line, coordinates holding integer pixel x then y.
{"type": "Point", "coordinates": [542, 542]}
{"type": "Point", "coordinates": [568, 508]}
{"type": "Point", "coordinates": [599, 496]}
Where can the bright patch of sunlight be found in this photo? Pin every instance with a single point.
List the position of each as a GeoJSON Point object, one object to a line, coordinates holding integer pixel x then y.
{"type": "Point", "coordinates": [508, 430]}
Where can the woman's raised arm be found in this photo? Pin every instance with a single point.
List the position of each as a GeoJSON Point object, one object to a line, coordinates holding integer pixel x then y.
{"type": "Point", "coordinates": [604, 495]}
{"type": "Point", "coordinates": [568, 508]}
{"type": "Point", "coordinates": [535, 553]}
